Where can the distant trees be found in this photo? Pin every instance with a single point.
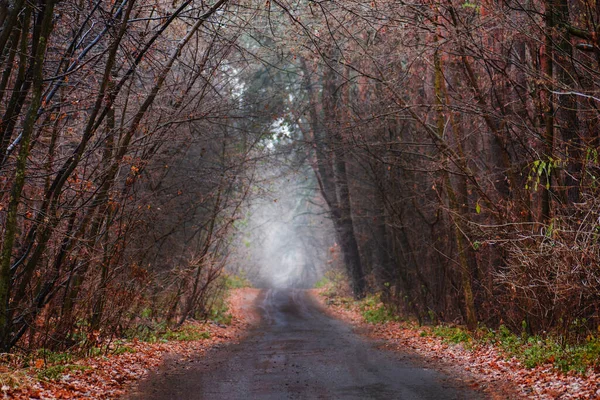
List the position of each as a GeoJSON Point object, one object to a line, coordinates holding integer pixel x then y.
{"type": "Point", "coordinates": [330, 167]}
{"type": "Point", "coordinates": [467, 136]}
{"type": "Point", "coordinates": [120, 175]}
{"type": "Point", "coordinates": [454, 143]}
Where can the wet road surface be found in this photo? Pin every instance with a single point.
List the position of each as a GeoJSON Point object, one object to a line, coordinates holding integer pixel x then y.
{"type": "Point", "coordinates": [298, 352]}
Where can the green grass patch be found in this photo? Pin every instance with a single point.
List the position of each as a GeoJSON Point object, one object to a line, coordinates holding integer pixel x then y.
{"type": "Point", "coordinates": [236, 281]}
{"type": "Point", "coordinates": [376, 312]}
{"type": "Point", "coordinates": [323, 282]}
{"type": "Point", "coordinates": [452, 335]}
{"type": "Point", "coordinates": [51, 357]}
{"type": "Point", "coordinates": [531, 351]}
{"type": "Point", "coordinates": [185, 334]}
{"type": "Point", "coordinates": [123, 349]}
{"type": "Point", "coordinates": [55, 372]}
{"type": "Point", "coordinates": [219, 313]}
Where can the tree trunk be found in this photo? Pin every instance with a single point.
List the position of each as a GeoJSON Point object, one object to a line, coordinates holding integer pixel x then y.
{"type": "Point", "coordinates": [19, 180]}
{"type": "Point", "coordinates": [330, 170]}
{"type": "Point", "coordinates": [457, 204]}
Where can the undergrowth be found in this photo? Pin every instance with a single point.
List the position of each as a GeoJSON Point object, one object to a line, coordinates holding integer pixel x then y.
{"type": "Point", "coordinates": [51, 365]}
{"type": "Point", "coordinates": [14, 379]}
{"type": "Point", "coordinates": [374, 311]}
{"type": "Point", "coordinates": [536, 350]}
{"type": "Point", "coordinates": [55, 372]}
{"type": "Point", "coordinates": [323, 282]}
{"type": "Point", "coordinates": [215, 310]}
{"type": "Point", "coordinates": [220, 314]}
{"type": "Point", "coordinates": [48, 365]}
{"type": "Point", "coordinates": [531, 351]}
{"type": "Point", "coordinates": [334, 285]}
{"type": "Point", "coordinates": [185, 334]}
{"type": "Point", "coordinates": [236, 281]}
{"type": "Point", "coordinates": [452, 335]}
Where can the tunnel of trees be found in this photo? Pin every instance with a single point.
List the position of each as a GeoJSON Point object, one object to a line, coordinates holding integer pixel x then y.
{"type": "Point", "coordinates": [446, 150]}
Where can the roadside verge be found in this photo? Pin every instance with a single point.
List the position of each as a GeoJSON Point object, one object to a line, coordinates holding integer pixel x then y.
{"type": "Point", "coordinates": [111, 375]}
{"type": "Point", "coordinates": [482, 366]}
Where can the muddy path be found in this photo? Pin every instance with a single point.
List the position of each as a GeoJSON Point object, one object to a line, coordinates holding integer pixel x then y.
{"type": "Point", "coordinates": [299, 352]}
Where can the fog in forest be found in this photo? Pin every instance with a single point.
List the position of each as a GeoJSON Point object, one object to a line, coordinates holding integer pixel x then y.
{"type": "Point", "coordinates": [285, 236]}
{"type": "Point", "coordinates": [447, 152]}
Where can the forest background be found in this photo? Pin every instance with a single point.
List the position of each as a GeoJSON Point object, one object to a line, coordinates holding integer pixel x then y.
{"type": "Point", "coordinates": [444, 154]}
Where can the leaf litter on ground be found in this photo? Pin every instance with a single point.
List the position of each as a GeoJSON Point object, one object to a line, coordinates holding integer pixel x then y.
{"type": "Point", "coordinates": [482, 366]}
{"type": "Point", "coordinates": [112, 375]}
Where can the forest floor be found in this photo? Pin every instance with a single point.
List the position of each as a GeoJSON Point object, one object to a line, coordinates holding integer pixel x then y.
{"type": "Point", "coordinates": [111, 375]}
{"type": "Point", "coordinates": [481, 367]}
{"type": "Point", "coordinates": [484, 367]}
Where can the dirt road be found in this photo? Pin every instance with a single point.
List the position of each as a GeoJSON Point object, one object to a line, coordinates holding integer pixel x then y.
{"type": "Point", "coordinates": [298, 352]}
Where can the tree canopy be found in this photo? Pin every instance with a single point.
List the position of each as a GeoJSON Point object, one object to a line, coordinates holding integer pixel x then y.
{"type": "Point", "coordinates": [444, 153]}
